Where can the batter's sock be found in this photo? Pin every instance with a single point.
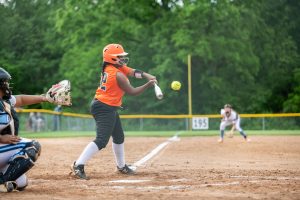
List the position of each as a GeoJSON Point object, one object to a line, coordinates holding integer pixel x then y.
{"type": "Point", "coordinates": [222, 134]}
{"type": "Point", "coordinates": [90, 150]}
{"type": "Point", "coordinates": [119, 154]}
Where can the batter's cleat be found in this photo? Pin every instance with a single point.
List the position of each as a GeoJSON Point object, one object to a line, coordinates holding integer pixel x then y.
{"type": "Point", "coordinates": [78, 171]}
{"type": "Point", "coordinates": [10, 186]}
{"type": "Point", "coordinates": [126, 170]}
{"type": "Point", "coordinates": [220, 140]}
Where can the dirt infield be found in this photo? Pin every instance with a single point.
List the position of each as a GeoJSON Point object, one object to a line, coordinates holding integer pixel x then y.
{"type": "Point", "coordinates": [191, 168]}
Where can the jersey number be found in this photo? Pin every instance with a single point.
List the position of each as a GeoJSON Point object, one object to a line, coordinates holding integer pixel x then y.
{"type": "Point", "coordinates": [103, 81]}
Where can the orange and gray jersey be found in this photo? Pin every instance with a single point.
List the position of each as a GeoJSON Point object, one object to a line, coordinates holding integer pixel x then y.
{"type": "Point", "coordinates": [109, 91]}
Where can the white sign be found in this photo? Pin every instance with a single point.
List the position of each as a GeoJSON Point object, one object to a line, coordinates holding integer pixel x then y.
{"type": "Point", "coordinates": [200, 122]}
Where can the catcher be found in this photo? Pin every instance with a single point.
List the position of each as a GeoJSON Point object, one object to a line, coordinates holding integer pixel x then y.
{"type": "Point", "coordinates": [18, 155]}
{"type": "Point", "coordinates": [230, 117]}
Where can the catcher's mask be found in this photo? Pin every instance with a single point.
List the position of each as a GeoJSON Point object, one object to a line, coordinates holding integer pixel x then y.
{"type": "Point", "coordinates": [4, 83]}
{"type": "Point", "coordinates": [115, 54]}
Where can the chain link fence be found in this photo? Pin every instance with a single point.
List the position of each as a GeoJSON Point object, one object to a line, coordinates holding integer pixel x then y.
{"type": "Point", "coordinates": [40, 121]}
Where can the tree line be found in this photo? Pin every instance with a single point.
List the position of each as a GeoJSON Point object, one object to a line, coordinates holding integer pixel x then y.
{"type": "Point", "coordinates": [243, 52]}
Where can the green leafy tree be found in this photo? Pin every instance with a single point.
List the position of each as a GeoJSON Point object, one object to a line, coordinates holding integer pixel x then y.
{"type": "Point", "coordinates": [292, 104]}
{"type": "Point", "coordinates": [29, 48]}
{"type": "Point", "coordinates": [243, 52]}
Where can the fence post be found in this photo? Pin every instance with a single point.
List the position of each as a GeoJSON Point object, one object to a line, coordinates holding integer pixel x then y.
{"type": "Point", "coordinates": [187, 124]}
{"type": "Point", "coordinates": [46, 123]}
{"type": "Point", "coordinates": [141, 124]}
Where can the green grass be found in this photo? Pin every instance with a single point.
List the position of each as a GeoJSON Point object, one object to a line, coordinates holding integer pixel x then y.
{"type": "Point", "coordinates": [62, 134]}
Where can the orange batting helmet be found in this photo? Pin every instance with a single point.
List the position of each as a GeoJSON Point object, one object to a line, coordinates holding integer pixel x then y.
{"type": "Point", "coordinates": [115, 54]}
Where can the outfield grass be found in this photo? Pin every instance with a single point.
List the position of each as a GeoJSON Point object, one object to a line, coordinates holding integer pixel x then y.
{"type": "Point", "coordinates": [61, 134]}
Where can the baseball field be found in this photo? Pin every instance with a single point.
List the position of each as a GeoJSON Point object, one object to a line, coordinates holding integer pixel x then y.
{"type": "Point", "coordinates": [171, 167]}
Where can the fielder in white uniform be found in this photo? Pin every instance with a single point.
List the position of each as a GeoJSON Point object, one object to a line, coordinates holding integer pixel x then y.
{"type": "Point", "coordinates": [17, 155]}
{"type": "Point", "coordinates": [230, 117]}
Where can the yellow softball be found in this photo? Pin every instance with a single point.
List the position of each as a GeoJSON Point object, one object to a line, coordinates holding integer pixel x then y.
{"type": "Point", "coordinates": [176, 85]}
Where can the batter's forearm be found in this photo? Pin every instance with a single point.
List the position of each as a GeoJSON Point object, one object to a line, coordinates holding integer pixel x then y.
{"type": "Point", "coordinates": [148, 76]}
{"type": "Point", "coordinates": [138, 90]}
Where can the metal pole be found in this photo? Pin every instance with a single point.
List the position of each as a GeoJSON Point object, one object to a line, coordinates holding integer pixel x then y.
{"type": "Point", "coordinates": [190, 90]}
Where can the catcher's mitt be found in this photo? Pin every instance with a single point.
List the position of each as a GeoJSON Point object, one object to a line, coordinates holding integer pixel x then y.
{"type": "Point", "coordinates": [60, 93]}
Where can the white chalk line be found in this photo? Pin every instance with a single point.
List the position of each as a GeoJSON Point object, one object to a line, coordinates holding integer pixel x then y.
{"type": "Point", "coordinates": [157, 150]}
{"type": "Point", "coordinates": [220, 184]}
{"type": "Point", "coordinates": [254, 179]}
{"type": "Point", "coordinates": [145, 180]}
{"type": "Point", "coordinates": [130, 181]}
{"type": "Point", "coordinates": [179, 180]}
{"type": "Point", "coordinates": [173, 187]}
{"type": "Point", "coordinates": [267, 177]}
{"type": "Point", "coordinates": [164, 187]}
{"type": "Point", "coordinates": [150, 155]}
{"type": "Point", "coordinates": [180, 187]}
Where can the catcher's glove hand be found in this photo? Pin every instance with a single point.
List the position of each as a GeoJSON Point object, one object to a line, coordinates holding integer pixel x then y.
{"type": "Point", "coordinates": [60, 93]}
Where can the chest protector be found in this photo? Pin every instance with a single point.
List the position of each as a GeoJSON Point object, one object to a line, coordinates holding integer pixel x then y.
{"type": "Point", "coordinates": [9, 121]}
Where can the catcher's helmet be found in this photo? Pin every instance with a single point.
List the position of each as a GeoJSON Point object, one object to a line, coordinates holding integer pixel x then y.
{"type": "Point", "coordinates": [115, 54]}
{"type": "Point", "coordinates": [4, 86]}
{"type": "Point", "coordinates": [4, 75]}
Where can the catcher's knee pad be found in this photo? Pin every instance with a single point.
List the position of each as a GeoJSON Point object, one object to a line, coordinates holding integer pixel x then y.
{"type": "Point", "coordinates": [33, 151]}
{"type": "Point", "coordinates": [22, 161]}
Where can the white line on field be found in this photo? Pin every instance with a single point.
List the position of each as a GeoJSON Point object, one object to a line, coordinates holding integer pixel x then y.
{"type": "Point", "coordinates": [169, 187]}
{"type": "Point", "coordinates": [173, 187]}
{"type": "Point", "coordinates": [267, 177]}
{"type": "Point", "coordinates": [220, 184]}
{"type": "Point", "coordinates": [129, 181]}
{"type": "Point", "coordinates": [157, 149]}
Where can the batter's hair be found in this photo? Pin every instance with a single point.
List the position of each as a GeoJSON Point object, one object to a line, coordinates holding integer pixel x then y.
{"type": "Point", "coordinates": [104, 64]}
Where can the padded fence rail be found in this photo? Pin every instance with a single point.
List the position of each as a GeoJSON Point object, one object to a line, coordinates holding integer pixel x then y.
{"type": "Point", "coordinates": [47, 120]}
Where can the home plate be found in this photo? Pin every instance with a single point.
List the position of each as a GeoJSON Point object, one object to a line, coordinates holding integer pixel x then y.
{"type": "Point", "coordinates": [128, 181]}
